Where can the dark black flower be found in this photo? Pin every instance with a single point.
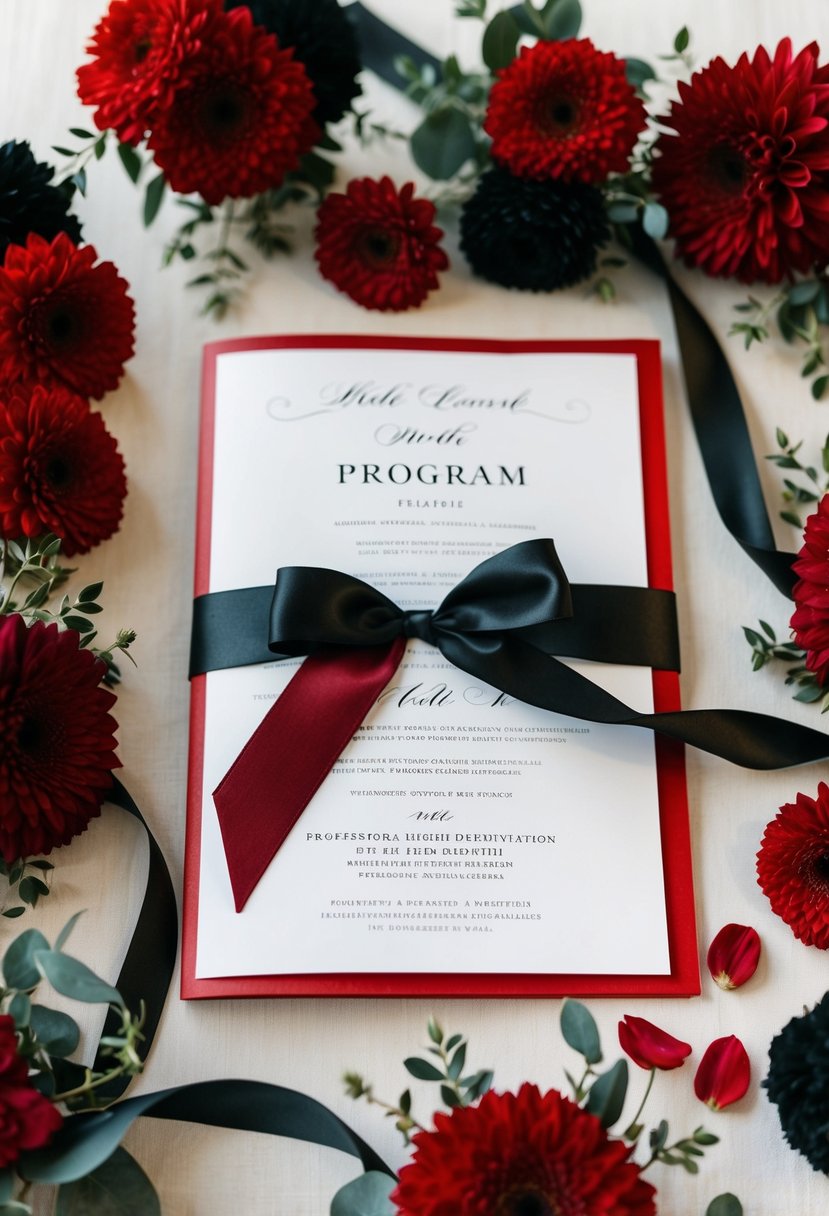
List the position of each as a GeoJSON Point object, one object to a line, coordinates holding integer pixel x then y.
{"type": "Point", "coordinates": [536, 235]}
{"type": "Point", "coordinates": [323, 40]}
{"type": "Point", "coordinates": [28, 203]}
{"type": "Point", "coordinates": [798, 1083]}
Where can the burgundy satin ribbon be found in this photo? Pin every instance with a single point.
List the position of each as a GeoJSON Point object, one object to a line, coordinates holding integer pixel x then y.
{"type": "Point", "coordinates": [292, 751]}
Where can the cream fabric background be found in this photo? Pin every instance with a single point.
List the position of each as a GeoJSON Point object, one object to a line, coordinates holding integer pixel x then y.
{"type": "Point", "coordinates": [148, 572]}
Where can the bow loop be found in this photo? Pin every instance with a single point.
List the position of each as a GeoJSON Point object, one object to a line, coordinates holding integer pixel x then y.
{"type": "Point", "coordinates": [520, 586]}
{"type": "Point", "coordinates": [315, 607]}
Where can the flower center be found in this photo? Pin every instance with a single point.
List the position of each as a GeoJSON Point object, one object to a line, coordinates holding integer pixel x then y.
{"type": "Point", "coordinates": [58, 473]}
{"type": "Point", "coordinates": [820, 867]}
{"type": "Point", "coordinates": [29, 735]}
{"type": "Point", "coordinates": [378, 247]}
{"type": "Point", "coordinates": [141, 50]}
{"type": "Point", "coordinates": [729, 169]}
{"type": "Point", "coordinates": [225, 112]}
{"type": "Point", "coordinates": [525, 1201]}
{"type": "Point", "coordinates": [557, 115]}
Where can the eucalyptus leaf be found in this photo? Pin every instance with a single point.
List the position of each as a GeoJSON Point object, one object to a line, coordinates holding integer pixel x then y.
{"type": "Point", "coordinates": [19, 968]}
{"type": "Point", "coordinates": [367, 1195]}
{"type": "Point", "coordinates": [152, 198]}
{"type": "Point", "coordinates": [62, 937]}
{"type": "Point", "coordinates": [7, 1180]}
{"type": "Point", "coordinates": [74, 979]}
{"type": "Point", "coordinates": [457, 1062]}
{"type": "Point", "coordinates": [804, 293]}
{"type": "Point", "coordinates": [561, 19]}
{"type": "Point", "coordinates": [500, 41]}
{"type": "Point", "coordinates": [56, 1032]}
{"type": "Point", "coordinates": [580, 1031]}
{"type": "Point", "coordinates": [638, 71]}
{"type": "Point", "coordinates": [443, 143]}
{"type": "Point", "coordinates": [119, 1187]}
{"type": "Point", "coordinates": [130, 160]}
{"type": "Point", "coordinates": [655, 220]}
{"type": "Point", "coordinates": [422, 1069]}
{"type": "Point", "coordinates": [607, 1094]}
{"type": "Point", "coordinates": [20, 1009]}
{"type": "Point", "coordinates": [725, 1205]}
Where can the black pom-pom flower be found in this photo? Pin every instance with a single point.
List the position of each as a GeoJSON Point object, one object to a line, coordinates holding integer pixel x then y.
{"type": "Point", "coordinates": [536, 235]}
{"type": "Point", "coordinates": [798, 1083]}
{"type": "Point", "coordinates": [323, 40]}
{"type": "Point", "coordinates": [28, 202]}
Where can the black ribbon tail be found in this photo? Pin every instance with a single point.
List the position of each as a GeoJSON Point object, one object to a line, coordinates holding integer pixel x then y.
{"type": "Point", "coordinates": [752, 740]}
{"type": "Point", "coordinates": [721, 429]}
{"type": "Point", "coordinates": [381, 45]}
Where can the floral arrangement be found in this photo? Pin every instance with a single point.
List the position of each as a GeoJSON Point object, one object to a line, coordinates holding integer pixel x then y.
{"type": "Point", "coordinates": [544, 1152]}
{"type": "Point", "coordinates": [551, 149]}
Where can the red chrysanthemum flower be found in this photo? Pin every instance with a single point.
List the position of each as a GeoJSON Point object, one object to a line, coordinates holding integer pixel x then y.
{"type": "Point", "coordinates": [63, 320]}
{"type": "Point", "coordinates": [60, 470]}
{"type": "Point", "coordinates": [793, 867]}
{"type": "Point", "coordinates": [810, 620]}
{"type": "Point", "coordinates": [564, 110]}
{"type": "Point", "coordinates": [520, 1153]}
{"type": "Point", "coordinates": [139, 47]}
{"type": "Point", "coordinates": [379, 245]}
{"type": "Point", "coordinates": [745, 173]}
{"type": "Point", "coordinates": [27, 1119]}
{"type": "Point", "coordinates": [239, 117]}
{"type": "Point", "coordinates": [58, 748]}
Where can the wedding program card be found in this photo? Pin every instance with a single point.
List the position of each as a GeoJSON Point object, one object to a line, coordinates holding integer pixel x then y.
{"type": "Point", "coordinates": [464, 842]}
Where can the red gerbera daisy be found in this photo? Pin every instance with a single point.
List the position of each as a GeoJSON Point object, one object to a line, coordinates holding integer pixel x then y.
{"type": "Point", "coordinates": [27, 1119]}
{"type": "Point", "coordinates": [564, 110]}
{"type": "Point", "coordinates": [139, 47]}
{"type": "Point", "coordinates": [240, 115]}
{"type": "Point", "coordinates": [379, 245]}
{"type": "Point", "coordinates": [63, 320]}
{"type": "Point", "coordinates": [60, 471]}
{"type": "Point", "coordinates": [58, 746]}
{"type": "Point", "coordinates": [520, 1153]}
{"type": "Point", "coordinates": [810, 620]}
{"type": "Point", "coordinates": [745, 172]}
{"type": "Point", "coordinates": [793, 866]}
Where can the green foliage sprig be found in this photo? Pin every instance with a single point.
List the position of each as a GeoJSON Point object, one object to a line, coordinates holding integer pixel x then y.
{"type": "Point", "coordinates": [800, 311]}
{"type": "Point", "coordinates": [811, 487]}
{"type": "Point", "coordinates": [601, 1092]}
{"type": "Point", "coordinates": [27, 882]}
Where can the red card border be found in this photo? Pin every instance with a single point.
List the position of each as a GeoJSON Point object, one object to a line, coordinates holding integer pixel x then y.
{"type": "Point", "coordinates": [674, 819]}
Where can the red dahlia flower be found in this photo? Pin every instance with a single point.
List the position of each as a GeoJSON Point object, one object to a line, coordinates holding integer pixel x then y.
{"type": "Point", "coordinates": [239, 117]}
{"type": "Point", "coordinates": [793, 867]}
{"type": "Point", "coordinates": [521, 1153]}
{"type": "Point", "coordinates": [60, 470]}
{"type": "Point", "coordinates": [139, 47]}
{"type": "Point", "coordinates": [810, 620]}
{"type": "Point", "coordinates": [733, 956]}
{"type": "Point", "coordinates": [379, 245]}
{"type": "Point", "coordinates": [27, 1119]}
{"type": "Point", "coordinates": [564, 110]}
{"type": "Point", "coordinates": [63, 320]}
{"type": "Point", "coordinates": [58, 748]}
{"type": "Point", "coordinates": [724, 1073]}
{"type": "Point", "coordinates": [650, 1047]}
{"type": "Point", "coordinates": [745, 172]}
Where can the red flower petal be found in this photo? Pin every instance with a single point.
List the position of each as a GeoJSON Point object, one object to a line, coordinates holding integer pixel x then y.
{"type": "Point", "coordinates": [564, 110]}
{"type": "Point", "coordinates": [650, 1047]}
{"type": "Point", "coordinates": [239, 117]}
{"type": "Point", "coordinates": [793, 867]}
{"type": "Point", "coordinates": [60, 470]}
{"type": "Point", "coordinates": [733, 955]}
{"type": "Point", "coordinates": [58, 748]}
{"type": "Point", "coordinates": [724, 1073]}
{"type": "Point", "coordinates": [743, 173]}
{"type": "Point", "coordinates": [63, 320]}
{"type": "Point", "coordinates": [524, 1152]}
{"type": "Point", "coordinates": [378, 245]}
